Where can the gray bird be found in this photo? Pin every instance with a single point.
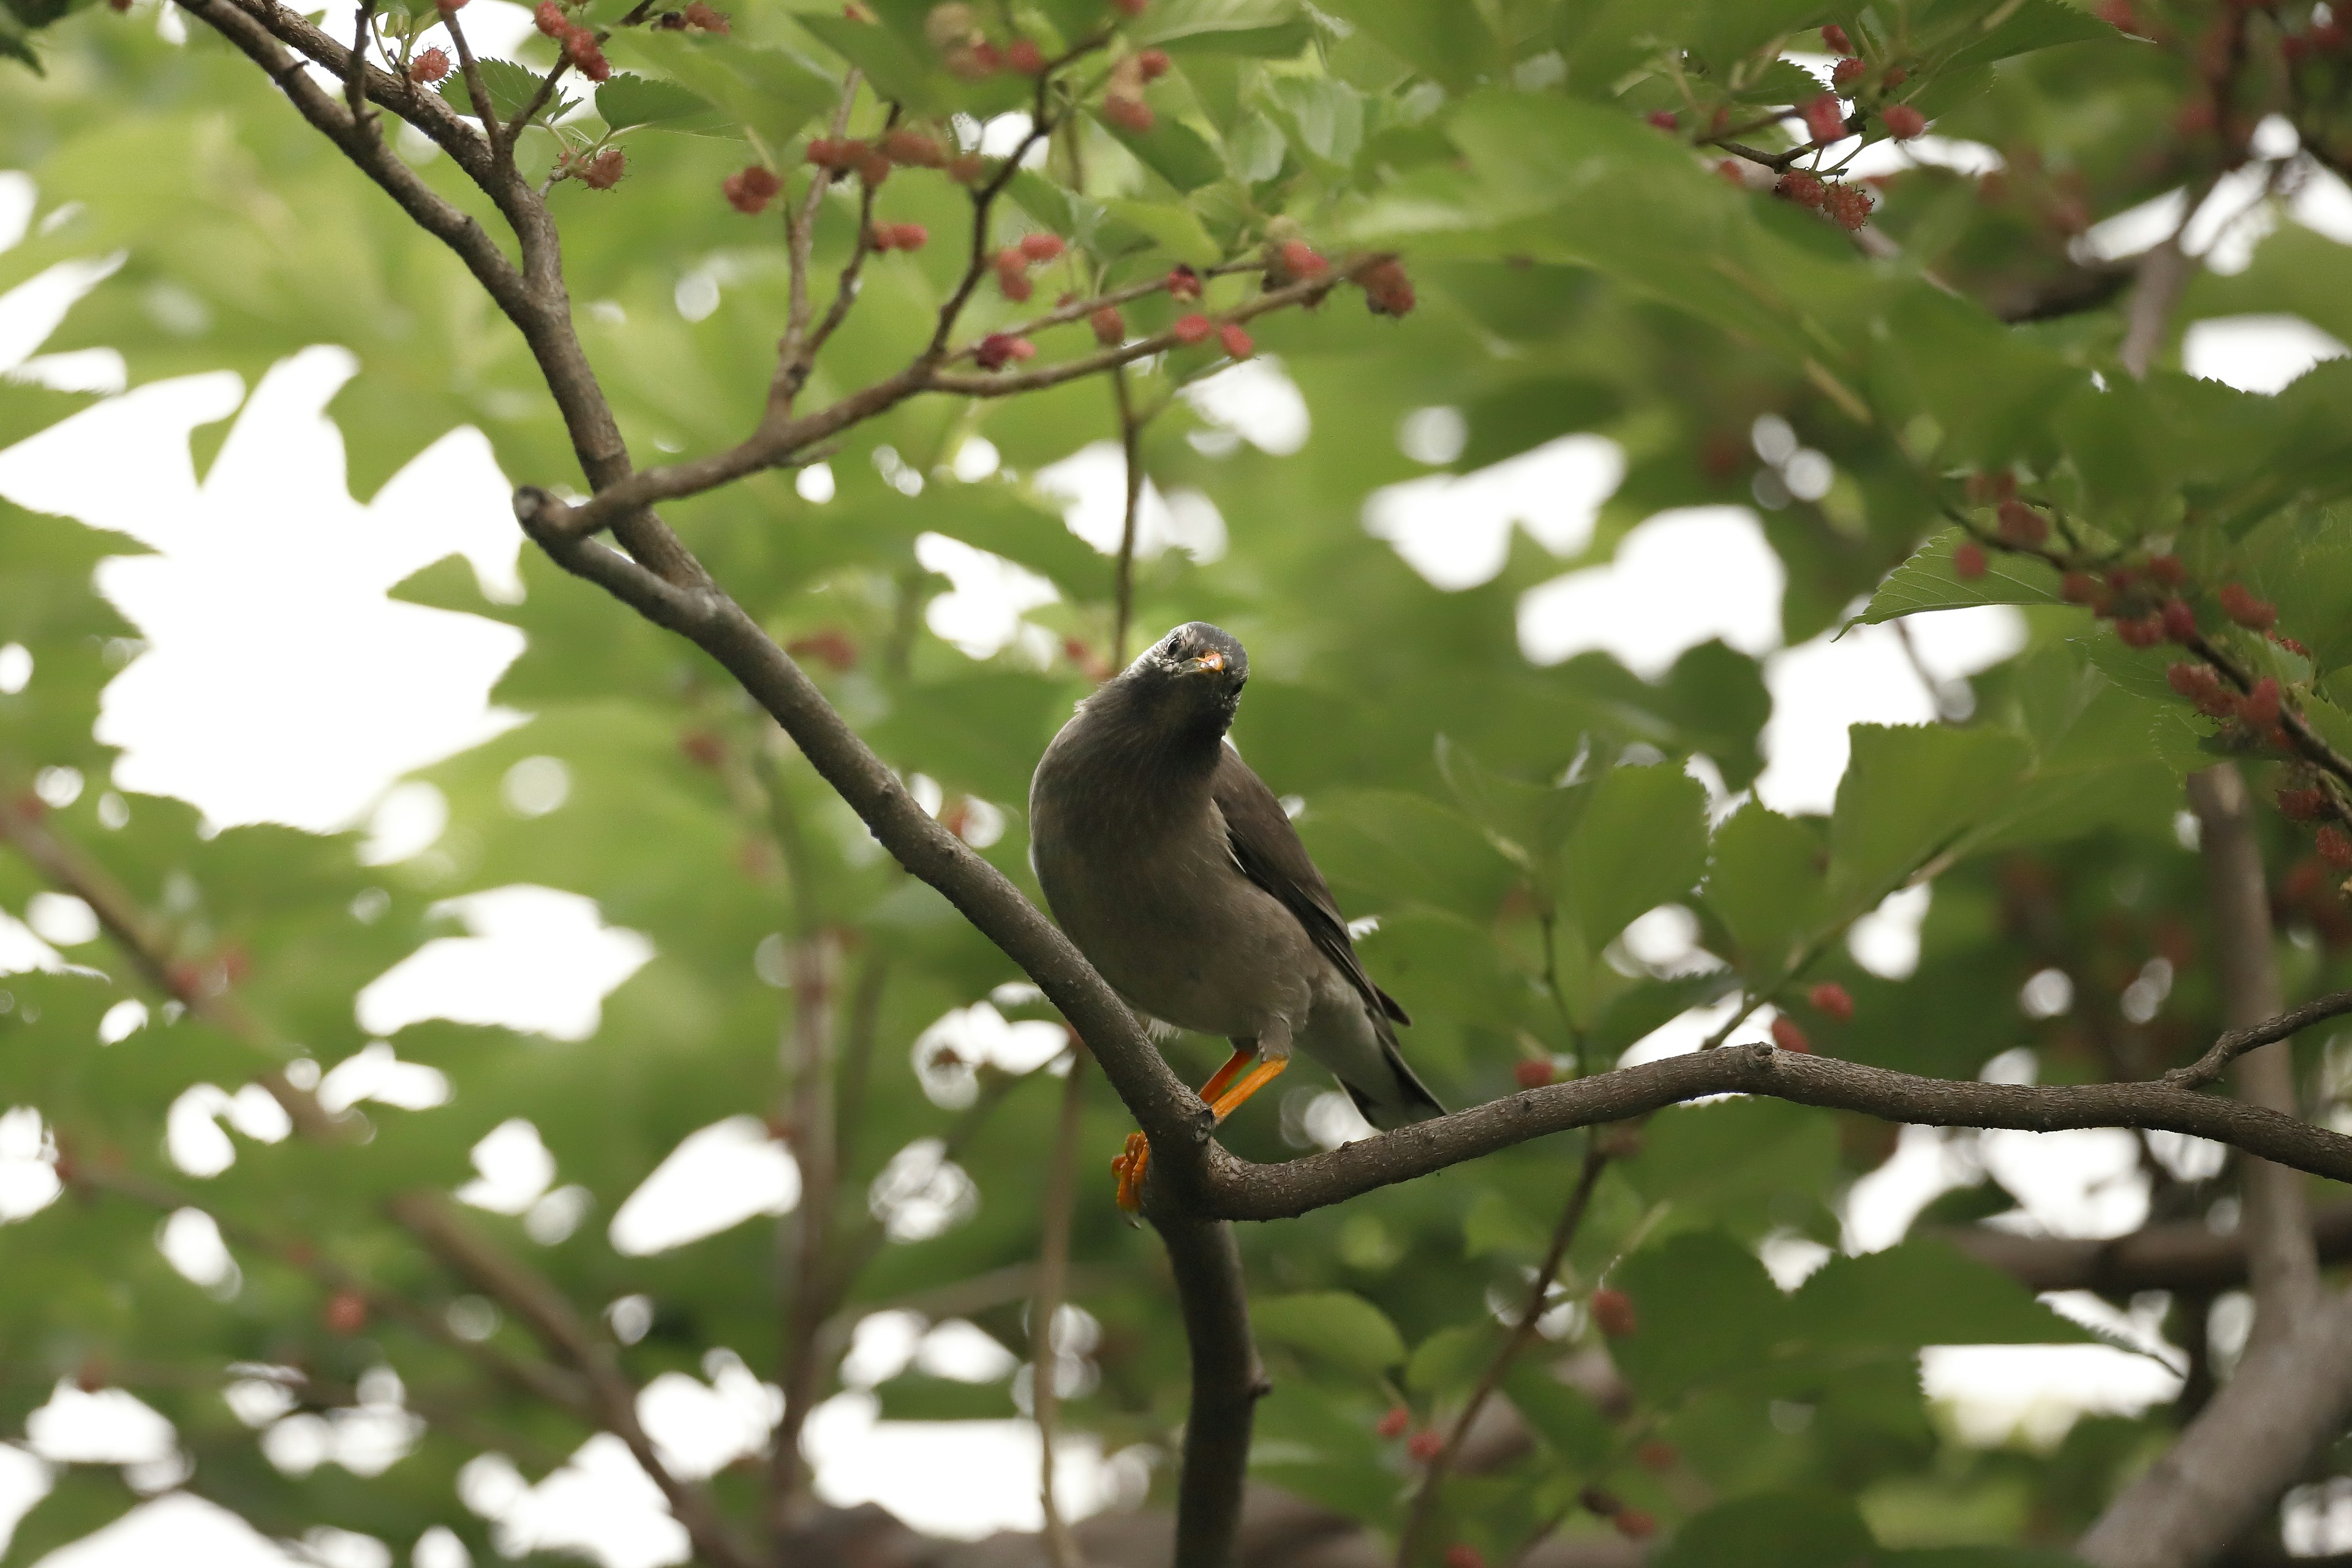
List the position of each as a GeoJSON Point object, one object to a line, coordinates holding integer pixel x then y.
{"type": "Point", "coordinates": [1177, 873]}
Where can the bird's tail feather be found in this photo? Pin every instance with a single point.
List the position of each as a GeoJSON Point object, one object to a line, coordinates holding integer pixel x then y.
{"type": "Point", "coordinates": [1401, 1102]}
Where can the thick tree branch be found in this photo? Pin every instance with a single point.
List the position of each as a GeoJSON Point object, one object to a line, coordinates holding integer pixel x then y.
{"type": "Point", "coordinates": [2294, 1387]}
{"type": "Point", "coordinates": [1227, 1384]}
{"type": "Point", "coordinates": [2286, 1401]}
{"type": "Point", "coordinates": [1233, 1188]}
{"type": "Point", "coordinates": [2182, 1255]}
{"type": "Point", "coordinates": [2278, 1232]}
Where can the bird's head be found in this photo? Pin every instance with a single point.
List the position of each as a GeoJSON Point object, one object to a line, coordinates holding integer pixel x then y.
{"type": "Point", "coordinates": [1193, 675]}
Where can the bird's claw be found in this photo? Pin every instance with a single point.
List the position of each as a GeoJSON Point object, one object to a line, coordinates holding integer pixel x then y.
{"type": "Point", "coordinates": [1130, 1166]}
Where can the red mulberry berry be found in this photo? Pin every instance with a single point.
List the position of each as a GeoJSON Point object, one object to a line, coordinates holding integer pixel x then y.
{"type": "Point", "coordinates": [1902, 122]}
{"type": "Point", "coordinates": [1387, 289]}
{"type": "Point", "coordinates": [2334, 846]}
{"type": "Point", "coordinates": [1393, 1424]}
{"type": "Point", "coordinates": [1822, 119]}
{"type": "Point", "coordinates": [1299, 259]}
{"type": "Point", "coordinates": [1111, 327]}
{"type": "Point", "coordinates": [2021, 525]}
{"type": "Point", "coordinates": [750, 190]}
{"type": "Point", "coordinates": [1190, 329]}
{"type": "Point", "coordinates": [603, 171]}
{"type": "Point", "coordinates": [999, 349]}
{"type": "Point", "coordinates": [2240, 605]}
{"type": "Point", "coordinates": [1969, 562]}
{"type": "Point", "coordinates": [2260, 707]}
{"type": "Point", "coordinates": [913, 148]}
{"type": "Point", "coordinates": [1425, 1445]}
{"type": "Point", "coordinates": [429, 67]}
{"type": "Point", "coordinates": [1613, 1313]}
{"type": "Point", "coordinates": [2301, 804]}
{"type": "Point", "coordinates": [1833, 1000]}
{"type": "Point", "coordinates": [1847, 205]}
{"type": "Point", "coordinates": [1789, 1037]}
{"type": "Point", "coordinates": [1237, 342]}
{"type": "Point", "coordinates": [347, 1312]}
{"type": "Point", "coordinates": [1151, 64]}
{"type": "Point", "coordinates": [1131, 115]}
{"type": "Point", "coordinates": [1041, 246]}
{"type": "Point", "coordinates": [1183, 283]}
{"type": "Point", "coordinates": [1846, 76]}
{"type": "Point", "coordinates": [1801, 188]}
{"type": "Point", "coordinates": [1834, 39]}
{"type": "Point", "coordinates": [1532, 1073]}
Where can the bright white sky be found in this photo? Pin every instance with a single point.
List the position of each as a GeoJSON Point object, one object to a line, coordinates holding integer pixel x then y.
{"type": "Point", "coordinates": [271, 552]}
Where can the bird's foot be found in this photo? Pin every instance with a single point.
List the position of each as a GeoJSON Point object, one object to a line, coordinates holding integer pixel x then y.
{"type": "Point", "coordinates": [1132, 1162]}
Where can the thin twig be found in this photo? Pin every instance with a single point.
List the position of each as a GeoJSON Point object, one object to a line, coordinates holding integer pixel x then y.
{"type": "Point", "coordinates": [1053, 1272]}
{"type": "Point", "coordinates": [2236, 1043]}
{"type": "Point", "coordinates": [1523, 1332]}
{"type": "Point", "coordinates": [800, 238]}
{"type": "Point", "coordinates": [551, 1384]}
{"type": "Point", "coordinates": [530, 111]}
{"type": "Point", "coordinates": [478, 90]}
{"type": "Point", "coordinates": [355, 79]}
{"type": "Point", "coordinates": [1130, 443]}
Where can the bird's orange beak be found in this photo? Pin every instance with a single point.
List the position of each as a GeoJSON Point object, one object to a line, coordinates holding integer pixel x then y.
{"type": "Point", "coordinates": [1211, 659]}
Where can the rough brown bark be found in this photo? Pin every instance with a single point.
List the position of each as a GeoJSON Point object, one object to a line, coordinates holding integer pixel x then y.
{"type": "Point", "coordinates": [2292, 1388]}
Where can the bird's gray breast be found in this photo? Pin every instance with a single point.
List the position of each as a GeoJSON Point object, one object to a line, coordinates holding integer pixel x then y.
{"type": "Point", "coordinates": [1159, 906]}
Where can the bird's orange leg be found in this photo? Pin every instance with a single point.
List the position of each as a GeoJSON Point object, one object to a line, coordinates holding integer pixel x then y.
{"type": "Point", "coordinates": [1264, 1073]}
{"type": "Point", "coordinates": [1136, 1158]}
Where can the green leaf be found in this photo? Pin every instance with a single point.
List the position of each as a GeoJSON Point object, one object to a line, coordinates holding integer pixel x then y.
{"type": "Point", "coordinates": [1928, 581]}
{"type": "Point", "coordinates": [1641, 842]}
{"type": "Point", "coordinates": [1924, 1292]}
{"type": "Point", "coordinates": [1908, 794]}
{"type": "Point", "coordinates": [1171, 150]}
{"type": "Point", "coordinates": [2026, 26]}
{"type": "Point", "coordinates": [1451, 1360]}
{"type": "Point", "coordinates": [1747, 1166]}
{"type": "Point", "coordinates": [1175, 229]}
{"type": "Point", "coordinates": [1784, 1529]}
{"type": "Point", "coordinates": [629, 100]}
{"type": "Point", "coordinates": [889, 61]}
{"type": "Point", "coordinates": [1270, 29]}
{"type": "Point", "coordinates": [1330, 1325]}
{"type": "Point", "coordinates": [1564, 1418]}
{"type": "Point", "coordinates": [771, 92]}
{"type": "Point", "coordinates": [511, 89]}
{"type": "Point", "coordinates": [1765, 883]}
{"type": "Point", "coordinates": [1448, 43]}
{"type": "Point", "coordinates": [1704, 1309]}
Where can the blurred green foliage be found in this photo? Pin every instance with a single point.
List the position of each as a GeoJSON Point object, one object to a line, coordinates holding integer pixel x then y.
{"type": "Point", "coordinates": [1578, 269]}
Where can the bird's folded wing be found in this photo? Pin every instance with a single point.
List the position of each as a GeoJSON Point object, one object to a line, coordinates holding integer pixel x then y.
{"type": "Point", "coordinates": [1267, 849]}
